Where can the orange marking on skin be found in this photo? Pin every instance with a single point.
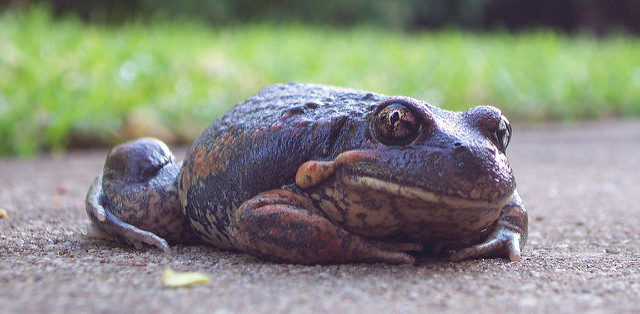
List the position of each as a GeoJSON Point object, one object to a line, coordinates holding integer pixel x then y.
{"type": "Point", "coordinates": [313, 172]}
{"type": "Point", "coordinates": [199, 162]}
{"type": "Point", "coordinates": [206, 163]}
{"type": "Point", "coordinates": [354, 156]}
{"type": "Point", "coordinates": [212, 160]}
{"type": "Point", "coordinates": [185, 179]}
{"type": "Point", "coordinates": [218, 157]}
{"type": "Point", "coordinates": [288, 216]}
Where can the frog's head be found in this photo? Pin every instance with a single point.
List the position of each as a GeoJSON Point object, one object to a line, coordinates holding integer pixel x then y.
{"type": "Point", "coordinates": [421, 161]}
{"type": "Point", "coordinates": [455, 155]}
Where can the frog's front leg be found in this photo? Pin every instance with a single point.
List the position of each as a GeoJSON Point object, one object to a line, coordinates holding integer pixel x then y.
{"type": "Point", "coordinates": [135, 199]}
{"type": "Point", "coordinates": [282, 226]}
{"type": "Point", "coordinates": [508, 237]}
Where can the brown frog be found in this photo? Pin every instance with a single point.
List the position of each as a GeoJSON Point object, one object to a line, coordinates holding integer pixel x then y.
{"type": "Point", "coordinates": [319, 174]}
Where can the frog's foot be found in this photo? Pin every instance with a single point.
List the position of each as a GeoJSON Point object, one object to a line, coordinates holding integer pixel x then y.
{"type": "Point", "coordinates": [105, 225]}
{"type": "Point", "coordinates": [507, 240]}
{"type": "Point", "coordinates": [502, 242]}
{"type": "Point", "coordinates": [279, 226]}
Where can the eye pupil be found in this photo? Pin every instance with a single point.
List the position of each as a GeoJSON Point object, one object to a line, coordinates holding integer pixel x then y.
{"type": "Point", "coordinates": [396, 124]}
{"type": "Point", "coordinates": [503, 134]}
{"type": "Point", "coordinates": [395, 117]}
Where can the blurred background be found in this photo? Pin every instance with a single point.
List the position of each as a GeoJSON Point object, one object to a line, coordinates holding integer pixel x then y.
{"type": "Point", "coordinates": [77, 74]}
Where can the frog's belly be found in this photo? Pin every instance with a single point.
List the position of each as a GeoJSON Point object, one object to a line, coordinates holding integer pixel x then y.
{"type": "Point", "coordinates": [424, 219]}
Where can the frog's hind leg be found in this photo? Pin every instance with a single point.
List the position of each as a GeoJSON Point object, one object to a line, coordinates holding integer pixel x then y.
{"type": "Point", "coordinates": [135, 199]}
{"type": "Point", "coordinates": [279, 226]}
{"type": "Point", "coordinates": [105, 225]}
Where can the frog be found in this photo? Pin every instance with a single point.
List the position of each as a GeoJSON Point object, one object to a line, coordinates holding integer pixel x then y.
{"type": "Point", "coordinates": [316, 174]}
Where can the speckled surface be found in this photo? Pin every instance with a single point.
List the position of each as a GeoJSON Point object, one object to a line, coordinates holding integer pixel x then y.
{"type": "Point", "coordinates": [579, 183]}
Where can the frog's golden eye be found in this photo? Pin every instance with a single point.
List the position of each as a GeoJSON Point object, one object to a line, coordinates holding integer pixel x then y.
{"type": "Point", "coordinates": [396, 124]}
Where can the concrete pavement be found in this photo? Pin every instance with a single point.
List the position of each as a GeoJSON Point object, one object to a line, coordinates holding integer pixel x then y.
{"type": "Point", "coordinates": [580, 183]}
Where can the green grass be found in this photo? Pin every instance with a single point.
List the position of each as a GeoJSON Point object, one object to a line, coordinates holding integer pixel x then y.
{"type": "Point", "coordinates": [63, 82]}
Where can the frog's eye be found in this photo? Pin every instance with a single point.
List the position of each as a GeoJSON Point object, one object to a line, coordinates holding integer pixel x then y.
{"type": "Point", "coordinates": [396, 124]}
{"type": "Point", "coordinates": [502, 134]}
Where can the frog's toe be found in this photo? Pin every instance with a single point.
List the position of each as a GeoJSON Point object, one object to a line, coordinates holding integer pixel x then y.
{"type": "Point", "coordinates": [126, 233]}
{"type": "Point", "coordinates": [93, 200]}
{"type": "Point", "coordinates": [502, 243]}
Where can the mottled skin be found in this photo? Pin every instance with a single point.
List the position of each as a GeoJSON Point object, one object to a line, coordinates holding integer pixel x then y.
{"type": "Point", "coordinates": [319, 174]}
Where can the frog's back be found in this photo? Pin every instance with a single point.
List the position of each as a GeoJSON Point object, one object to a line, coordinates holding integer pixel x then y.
{"type": "Point", "coordinates": [259, 145]}
{"type": "Point", "coordinates": [312, 102]}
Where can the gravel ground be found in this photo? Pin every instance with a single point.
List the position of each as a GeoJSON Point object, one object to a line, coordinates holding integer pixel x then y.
{"type": "Point", "coordinates": [579, 183]}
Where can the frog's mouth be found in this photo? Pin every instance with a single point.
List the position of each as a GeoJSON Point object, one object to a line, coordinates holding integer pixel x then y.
{"type": "Point", "coordinates": [353, 169]}
{"type": "Point", "coordinates": [419, 194]}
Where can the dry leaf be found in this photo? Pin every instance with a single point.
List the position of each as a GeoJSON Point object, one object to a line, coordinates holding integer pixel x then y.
{"type": "Point", "coordinates": [174, 279]}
